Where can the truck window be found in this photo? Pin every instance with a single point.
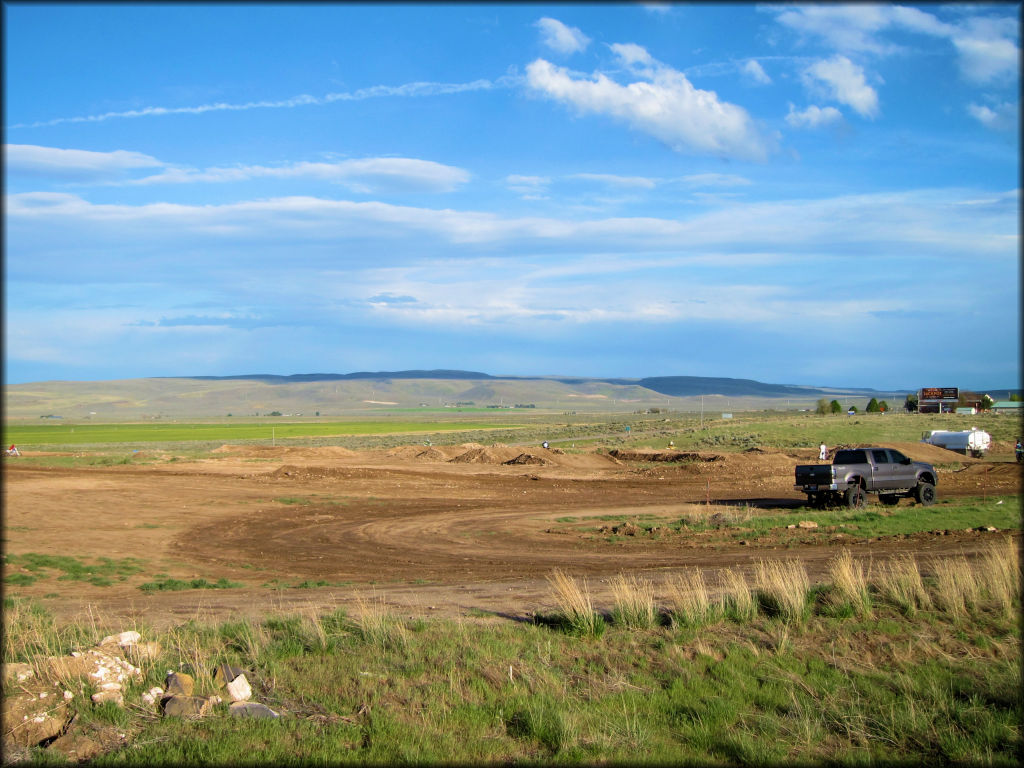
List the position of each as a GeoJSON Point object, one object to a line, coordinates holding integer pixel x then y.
{"type": "Point", "coordinates": [849, 456]}
{"type": "Point", "coordinates": [896, 456]}
{"type": "Point", "coordinates": [881, 457]}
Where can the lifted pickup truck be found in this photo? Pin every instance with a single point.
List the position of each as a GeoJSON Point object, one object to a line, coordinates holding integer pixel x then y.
{"type": "Point", "coordinates": [857, 471]}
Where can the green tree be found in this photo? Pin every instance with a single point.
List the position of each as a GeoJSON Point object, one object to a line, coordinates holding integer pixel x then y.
{"type": "Point", "coordinates": [910, 406]}
{"type": "Point", "coordinates": [1014, 398]}
{"type": "Point", "coordinates": [883, 406]}
{"type": "Point", "coordinates": [852, 409]}
{"type": "Point", "coordinates": [987, 403]}
{"type": "Point", "coordinates": [873, 406]}
{"type": "Point", "coordinates": [835, 407]}
{"type": "Point", "coordinates": [822, 407]}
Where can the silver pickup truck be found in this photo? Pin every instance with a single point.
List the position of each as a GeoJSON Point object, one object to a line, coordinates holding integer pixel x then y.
{"type": "Point", "coordinates": [855, 472]}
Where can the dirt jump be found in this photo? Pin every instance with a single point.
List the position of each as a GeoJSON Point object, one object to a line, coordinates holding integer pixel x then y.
{"type": "Point", "coordinates": [467, 530]}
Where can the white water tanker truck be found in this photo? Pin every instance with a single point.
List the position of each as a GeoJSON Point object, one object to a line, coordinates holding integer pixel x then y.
{"type": "Point", "coordinates": [973, 441]}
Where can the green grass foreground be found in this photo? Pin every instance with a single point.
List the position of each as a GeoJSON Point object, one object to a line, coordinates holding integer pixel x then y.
{"type": "Point", "coordinates": [868, 668]}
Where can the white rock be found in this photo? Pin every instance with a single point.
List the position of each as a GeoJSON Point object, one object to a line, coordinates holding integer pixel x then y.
{"type": "Point", "coordinates": [124, 639]}
{"type": "Point", "coordinates": [239, 689]}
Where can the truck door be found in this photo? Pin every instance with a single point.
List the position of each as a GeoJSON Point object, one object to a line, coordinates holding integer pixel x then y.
{"type": "Point", "coordinates": [881, 469]}
{"type": "Point", "coordinates": [904, 474]}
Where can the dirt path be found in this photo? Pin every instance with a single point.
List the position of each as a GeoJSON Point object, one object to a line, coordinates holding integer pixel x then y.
{"type": "Point", "coordinates": [432, 530]}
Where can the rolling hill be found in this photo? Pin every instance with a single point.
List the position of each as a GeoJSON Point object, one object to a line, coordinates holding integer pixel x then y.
{"type": "Point", "coordinates": [344, 395]}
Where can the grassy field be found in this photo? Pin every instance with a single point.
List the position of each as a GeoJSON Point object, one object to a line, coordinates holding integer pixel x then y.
{"type": "Point", "coordinates": [781, 429]}
{"type": "Point", "coordinates": [38, 435]}
{"type": "Point", "coordinates": [885, 666]}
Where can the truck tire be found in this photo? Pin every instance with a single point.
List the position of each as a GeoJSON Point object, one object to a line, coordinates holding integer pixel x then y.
{"type": "Point", "coordinates": [924, 493]}
{"type": "Point", "coordinates": [854, 497]}
{"type": "Point", "coordinates": [889, 499]}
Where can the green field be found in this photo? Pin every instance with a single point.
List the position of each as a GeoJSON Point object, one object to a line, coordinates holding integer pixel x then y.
{"type": "Point", "coordinates": [776, 429]}
{"type": "Point", "coordinates": [40, 435]}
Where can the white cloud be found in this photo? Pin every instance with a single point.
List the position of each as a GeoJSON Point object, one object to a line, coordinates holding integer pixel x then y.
{"type": "Point", "coordinates": [845, 83]}
{"type": "Point", "coordinates": [987, 44]}
{"type": "Point", "coordinates": [528, 187]}
{"type": "Point", "coordinates": [933, 222]}
{"type": "Point", "coordinates": [617, 181]}
{"type": "Point", "coordinates": [1004, 117]}
{"type": "Point", "coordinates": [753, 69]}
{"type": "Point", "coordinates": [813, 116]}
{"type": "Point", "coordinates": [361, 175]}
{"type": "Point", "coordinates": [74, 163]}
{"type": "Point", "coordinates": [664, 105]}
{"type": "Point", "coordinates": [406, 90]}
{"type": "Point", "coordinates": [558, 37]}
{"type": "Point", "coordinates": [987, 50]}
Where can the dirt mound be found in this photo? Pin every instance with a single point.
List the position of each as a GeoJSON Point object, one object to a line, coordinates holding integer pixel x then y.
{"type": "Point", "coordinates": [672, 456]}
{"type": "Point", "coordinates": [431, 454]}
{"type": "Point", "coordinates": [526, 458]}
{"type": "Point", "coordinates": [493, 455]}
{"type": "Point", "coordinates": [292, 472]}
{"type": "Point", "coordinates": [931, 454]}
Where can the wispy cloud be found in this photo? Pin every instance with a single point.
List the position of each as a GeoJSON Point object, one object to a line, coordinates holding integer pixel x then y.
{"type": "Point", "coordinates": [561, 38]}
{"type": "Point", "coordinates": [813, 116]}
{"type": "Point", "coordinates": [361, 175]}
{"type": "Point", "coordinates": [662, 103]}
{"type": "Point", "coordinates": [752, 68]}
{"type": "Point", "coordinates": [75, 164]}
{"type": "Point", "coordinates": [1002, 116]}
{"type": "Point", "coordinates": [417, 89]}
{"type": "Point", "coordinates": [986, 43]}
{"type": "Point", "coordinates": [528, 187]}
{"type": "Point", "coordinates": [613, 180]}
{"type": "Point", "coordinates": [934, 221]}
{"type": "Point", "coordinates": [845, 82]}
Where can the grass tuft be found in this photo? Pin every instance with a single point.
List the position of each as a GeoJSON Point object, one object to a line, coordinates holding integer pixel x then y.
{"type": "Point", "coordinates": [850, 583]}
{"type": "Point", "coordinates": [783, 589]}
{"type": "Point", "coordinates": [634, 606]}
{"type": "Point", "coordinates": [738, 599]}
{"type": "Point", "coordinates": [899, 581]}
{"type": "Point", "coordinates": [575, 606]}
{"type": "Point", "coordinates": [690, 603]}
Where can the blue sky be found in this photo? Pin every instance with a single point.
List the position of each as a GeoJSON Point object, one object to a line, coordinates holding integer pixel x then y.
{"type": "Point", "coordinates": [822, 195]}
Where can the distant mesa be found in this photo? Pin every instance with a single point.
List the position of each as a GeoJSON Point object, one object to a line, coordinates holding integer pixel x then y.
{"type": "Point", "coordinates": [672, 386]}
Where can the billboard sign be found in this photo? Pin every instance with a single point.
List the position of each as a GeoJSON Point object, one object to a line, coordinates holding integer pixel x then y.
{"type": "Point", "coordinates": [940, 393]}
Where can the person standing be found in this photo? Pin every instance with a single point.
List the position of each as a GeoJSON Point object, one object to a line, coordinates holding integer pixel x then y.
{"type": "Point", "coordinates": [822, 452]}
{"type": "Point", "coordinates": [1019, 450]}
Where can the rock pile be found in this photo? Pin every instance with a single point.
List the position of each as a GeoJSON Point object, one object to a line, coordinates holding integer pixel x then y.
{"type": "Point", "coordinates": [38, 700]}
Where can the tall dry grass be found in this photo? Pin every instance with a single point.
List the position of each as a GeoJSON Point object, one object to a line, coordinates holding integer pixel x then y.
{"type": "Point", "coordinates": [956, 589]}
{"type": "Point", "coordinates": [850, 582]}
{"type": "Point", "coordinates": [689, 600]}
{"type": "Point", "coordinates": [375, 624]}
{"type": "Point", "coordinates": [575, 604]}
{"type": "Point", "coordinates": [899, 581]}
{"type": "Point", "coordinates": [738, 598]}
{"type": "Point", "coordinates": [783, 588]}
{"type": "Point", "coordinates": [633, 602]}
{"type": "Point", "coordinates": [998, 573]}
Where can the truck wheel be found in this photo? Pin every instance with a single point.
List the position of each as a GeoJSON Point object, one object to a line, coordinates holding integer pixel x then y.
{"type": "Point", "coordinates": [854, 497]}
{"type": "Point", "coordinates": [925, 494]}
{"type": "Point", "coordinates": [889, 499]}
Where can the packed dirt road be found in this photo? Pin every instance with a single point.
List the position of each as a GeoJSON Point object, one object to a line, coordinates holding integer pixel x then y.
{"type": "Point", "coordinates": [454, 531]}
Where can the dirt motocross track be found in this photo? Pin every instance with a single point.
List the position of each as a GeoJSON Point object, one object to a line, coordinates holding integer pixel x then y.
{"type": "Point", "coordinates": [454, 530]}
